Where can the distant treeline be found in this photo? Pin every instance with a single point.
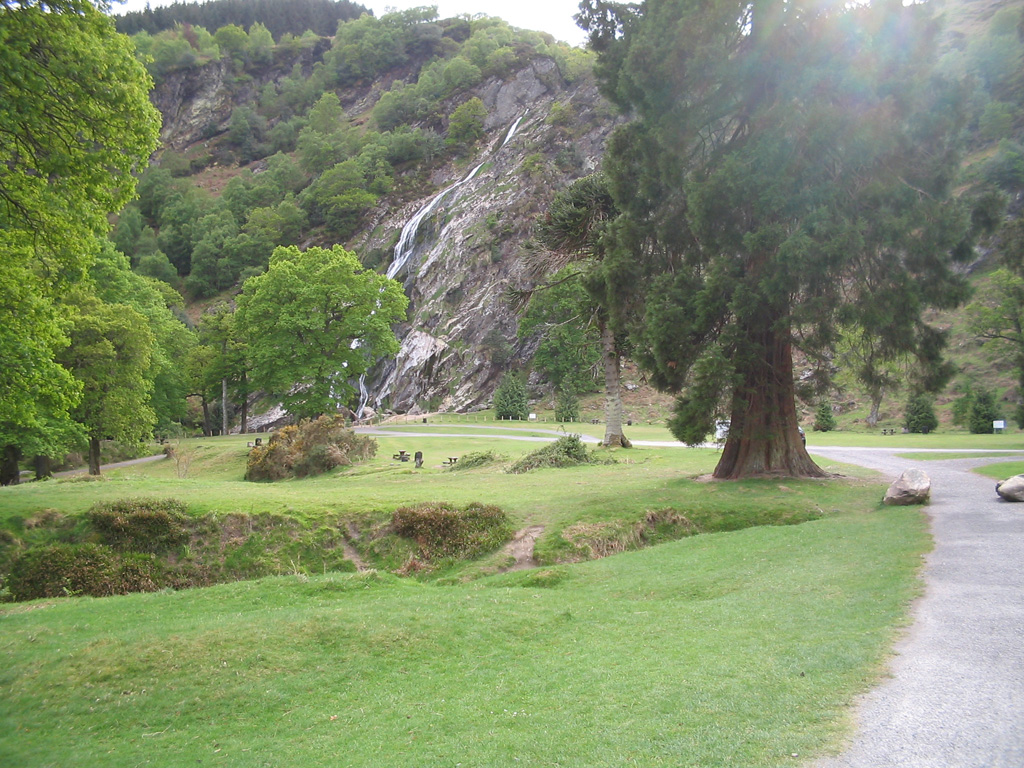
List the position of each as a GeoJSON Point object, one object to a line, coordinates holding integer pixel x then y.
{"type": "Point", "coordinates": [279, 16]}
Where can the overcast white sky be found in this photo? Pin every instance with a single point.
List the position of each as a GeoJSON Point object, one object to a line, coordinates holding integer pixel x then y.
{"type": "Point", "coordinates": [554, 16]}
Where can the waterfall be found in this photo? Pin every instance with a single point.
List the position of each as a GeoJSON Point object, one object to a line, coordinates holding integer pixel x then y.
{"type": "Point", "coordinates": [513, 129]}
{"type": "Point", "coordinates": [364, 396]}
{"type": "Point", "coordinates": [407, 240]}
{"type": "Point", "coordinates": [407, 245]}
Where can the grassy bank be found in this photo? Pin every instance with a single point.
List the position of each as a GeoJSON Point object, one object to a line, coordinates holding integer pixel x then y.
{"type": "Point", "coordinates": [736, 649]}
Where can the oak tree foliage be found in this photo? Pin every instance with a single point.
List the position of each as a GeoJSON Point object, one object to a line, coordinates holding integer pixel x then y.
{"type": "Point", "coordinates": [314, 322]}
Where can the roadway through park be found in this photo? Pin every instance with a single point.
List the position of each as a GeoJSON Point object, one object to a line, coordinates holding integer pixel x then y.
{"type": "Point", "coordinates": [954, 696]}
{"type": "Point", "coordinates": [954, 693]}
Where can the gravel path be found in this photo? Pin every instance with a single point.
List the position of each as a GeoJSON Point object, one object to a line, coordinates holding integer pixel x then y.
{"type": "Point", "coordinates": [955, 698]}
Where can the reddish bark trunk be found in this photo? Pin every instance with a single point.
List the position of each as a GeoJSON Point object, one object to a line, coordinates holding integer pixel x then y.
{"type": "Point", "coordinates": [763, 434]}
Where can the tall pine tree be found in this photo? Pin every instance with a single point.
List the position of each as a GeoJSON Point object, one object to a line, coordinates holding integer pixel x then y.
{"type": "Point", "coordinates": [787, 171]}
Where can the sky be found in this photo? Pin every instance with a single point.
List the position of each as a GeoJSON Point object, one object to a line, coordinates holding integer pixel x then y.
{"type": "Point", "coordinates": [553, 16]}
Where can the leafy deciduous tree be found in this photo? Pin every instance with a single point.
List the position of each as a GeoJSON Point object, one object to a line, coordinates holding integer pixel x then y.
{"type": "Point", "coordinates": [76, 121]}
{"type": "Point", "coordinates": [314, 321]}
{"type": "Point", "coordinates": [111, 354]}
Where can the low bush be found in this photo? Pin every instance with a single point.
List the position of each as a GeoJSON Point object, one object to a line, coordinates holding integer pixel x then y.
{"type": "Point", "coordinates": [476, 459]}
{"type": "Point", "coordinates": [81, 569]}
{"type": "Point", "coordinates": [310, 448]}
{"type": "Point", "coordinates": [141, 525]}
{"type": "Point", "coordinates": [442, 530]}
{"type": "Point", "coordinates": [567, 451]}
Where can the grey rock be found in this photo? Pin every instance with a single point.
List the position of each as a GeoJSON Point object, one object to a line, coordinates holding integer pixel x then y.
{"type": "Point", "coordinates": [912, 487]}
{"type": "Point", "coordinates": [1011, 489]}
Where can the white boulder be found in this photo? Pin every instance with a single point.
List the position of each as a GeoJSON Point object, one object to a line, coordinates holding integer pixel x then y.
{"type": "Point", "coordinates": [1011, 489]}
{"type": "Point", "coordinates": [912, 487]}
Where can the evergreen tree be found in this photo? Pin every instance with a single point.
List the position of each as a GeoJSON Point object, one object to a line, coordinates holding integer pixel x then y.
{"type": "Point", "coordinates": [571, 237]}
{"type": "Point", "coordinates": [920, 416]}
{"type": "Point", "coordinates": [824, 421]}
{"type": "Point", "coordinates": [567, 407]}
{"type": "Point", "coordinates": [788, 171]}
{"type": "Point", "coordinates": [510, 398]}
{"type": "Point", "coordinates": [983, 412]}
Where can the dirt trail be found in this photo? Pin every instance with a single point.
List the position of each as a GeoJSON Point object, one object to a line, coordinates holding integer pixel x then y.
{"type": "Point", "coordinates": [521, 548]}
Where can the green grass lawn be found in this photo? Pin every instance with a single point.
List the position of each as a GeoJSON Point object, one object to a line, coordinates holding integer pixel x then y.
{"type": "Point", "coordinates": [739, 649]}
{"type": "Point", "coordinates": [735, 648]}
{"type": "Point", "coordinates": [1002, 470]}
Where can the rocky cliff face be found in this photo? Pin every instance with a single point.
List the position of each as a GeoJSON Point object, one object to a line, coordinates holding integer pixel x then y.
{"type": "Point", "coordinates": [542, 132]}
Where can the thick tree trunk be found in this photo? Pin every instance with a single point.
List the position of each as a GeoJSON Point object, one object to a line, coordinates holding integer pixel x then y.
{"type": "Point", "coordinates": [42, 467]}
{"type": "Point", "coordinates": [94, 455]}
{"type": "Point", "coordinates": [763, 435]}
{"type": "Point", "coordinates": [613, 391]}
{"type": "Point", "coordinates": [10, 472]}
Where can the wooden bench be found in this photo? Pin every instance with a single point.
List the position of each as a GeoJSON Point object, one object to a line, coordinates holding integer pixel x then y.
{"type": "Point", "coordinates": [451, 461]}
{"type": "Point", "coordinates": [401, 456]}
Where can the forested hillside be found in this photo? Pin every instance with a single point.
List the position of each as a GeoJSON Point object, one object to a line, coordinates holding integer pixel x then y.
{"type": "Point", "coordinates": [315, 141]}
{"type": "Point", "coordinates": [280, 17]}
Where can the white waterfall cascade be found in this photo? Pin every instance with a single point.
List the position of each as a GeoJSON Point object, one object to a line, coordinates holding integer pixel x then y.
{"type": "Point", "coordinates": [407, 244]}
{"type": "Point", "coordinates": [407, 240]}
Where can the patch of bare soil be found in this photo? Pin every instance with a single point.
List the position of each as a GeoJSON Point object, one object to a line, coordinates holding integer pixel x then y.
{"type": "Point", "coordinates": [350, 551]}
{"type": "Point", "coordinates": [521, 548]}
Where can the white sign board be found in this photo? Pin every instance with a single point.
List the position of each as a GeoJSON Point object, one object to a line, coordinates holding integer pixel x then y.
{"type": "Point", "coordinates": [999, 425]}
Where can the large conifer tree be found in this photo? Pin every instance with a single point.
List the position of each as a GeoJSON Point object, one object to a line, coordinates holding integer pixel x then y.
{"type": "Point", "coordinates": [787, 170]}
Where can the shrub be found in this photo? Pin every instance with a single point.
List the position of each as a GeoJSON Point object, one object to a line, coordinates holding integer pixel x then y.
{"type": "Point", "coordinates": [443, 530]}
{"type": "Point", "coordinates": [920, 416]}
{"type": "Point", "coordinates": [567, 451]}
{"type": "Point", "coordinates": [87, 569]}
{"type": "Point", "coordinates": [824, 421]}
{"type": "Point", "coordinates": [140, 525]}
{"type": "Point", "coordinates": [310, 448]}
{"type": "Point", "coordinates": [477, 459]}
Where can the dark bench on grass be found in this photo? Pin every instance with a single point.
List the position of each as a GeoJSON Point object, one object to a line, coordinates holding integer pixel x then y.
{"type": "Point", "coordinates": [451, 462]}
{"type": "Point", "coordinates": [401, 456]}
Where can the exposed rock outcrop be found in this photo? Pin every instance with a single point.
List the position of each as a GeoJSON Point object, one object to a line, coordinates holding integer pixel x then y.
{"type": "Point", "coordinates": [468, 250]}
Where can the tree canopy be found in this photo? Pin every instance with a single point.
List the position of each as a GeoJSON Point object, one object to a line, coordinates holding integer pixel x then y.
{"type": "Point", "coordinates": [75, 123]}
{"type": "Point", "coordinates": [315, 321]}
{"type": "Point", "coordinates": [787, 172]}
